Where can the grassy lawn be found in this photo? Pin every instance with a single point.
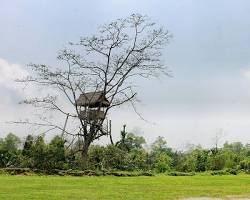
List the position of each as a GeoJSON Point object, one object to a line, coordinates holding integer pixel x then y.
{"type": "Point", "coordinates": [159, 187]}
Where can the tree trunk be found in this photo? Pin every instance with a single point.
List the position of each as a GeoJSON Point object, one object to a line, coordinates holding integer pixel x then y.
{"type": "Point", "coordinates": [85, 150]}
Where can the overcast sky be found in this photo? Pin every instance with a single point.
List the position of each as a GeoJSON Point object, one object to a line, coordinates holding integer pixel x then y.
{"type": "Point", "coordinates": [209, 57]}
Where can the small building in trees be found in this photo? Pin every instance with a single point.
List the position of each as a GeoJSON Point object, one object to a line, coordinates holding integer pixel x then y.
{"type": "Point", "coordinates": [92, 105]}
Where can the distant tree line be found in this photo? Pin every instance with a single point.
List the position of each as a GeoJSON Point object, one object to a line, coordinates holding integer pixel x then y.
{"type": "Point", "coordinates": [128, 154]}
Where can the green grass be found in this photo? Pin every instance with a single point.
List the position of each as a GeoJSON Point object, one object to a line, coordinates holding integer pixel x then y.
{"type": "Point", "coordinates": [159, 187]}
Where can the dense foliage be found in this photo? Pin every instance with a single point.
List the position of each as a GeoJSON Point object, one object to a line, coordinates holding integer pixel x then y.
{"type": "Point", "coordinates": [128, 154]}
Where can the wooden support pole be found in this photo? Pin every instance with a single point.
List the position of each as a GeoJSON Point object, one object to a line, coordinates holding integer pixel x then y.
{"type": "Point", "coordinates": [110, 135]}
{"type": "Point", "coordinates": [64, 127]}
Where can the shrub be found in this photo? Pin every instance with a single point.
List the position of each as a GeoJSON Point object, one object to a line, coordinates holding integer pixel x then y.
{"type": "Point", "coordinates": [245, 165]}
{"type": "Point", "coordinates": [114, 158]}
{"type": "Point", "coordinates": [96, 157]}
{"type": "Point", "coordinates": [17, 171]}
{"type": "Point", "coordinates": [126, 173]}
{"type": "Point", "coordinates": [181, 174]}
{"type": "Point", "coordinates": [137, 159]}
{"type": "Point", "coordinates": [162, 162]}
{"type": "Point", "coordinates": [225, 172]}
{"type": "Point", "coordinates": [216, 161]}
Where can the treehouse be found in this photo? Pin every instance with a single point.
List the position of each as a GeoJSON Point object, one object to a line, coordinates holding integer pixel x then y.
{"type": "Point", "coordinates": [91, 106]}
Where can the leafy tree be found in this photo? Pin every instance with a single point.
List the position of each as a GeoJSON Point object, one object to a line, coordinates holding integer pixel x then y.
{"type": "Point", "coordinates": [162, 162]}
{"type": "Point", "coordinates": [188, 163]}
{"type": "Point", "coordinates": [177, 158]}
{"type": "Point", "coordinates": [26, 160]}
{"type": "Point", "coordinates": [232, 159]}
{"type": "Point", "coordinates": [247, 150]}
{"type": "Point", "coordinates": [160, 145]}
{"type": "Point", "coordinates": [245, 164]}
{"type": "Point", "coordinates": [130, 141]}
{"type": "Point", "coordinates": [134, 142]}
{"type": "Point", "coordinates": [216, 161]}
{"type": "Point", "coordinates": [96, 156]}
{"type": "Point", "coordinates": [28, 146]}
{"type": "Point", "coordinates": [9, 150]}
{"type": "Point", "coordinates": [114, 158]}
{"type": "Point", "coordinates": [11, 142]}
{"type": "Point", "coordinates": [40, 153]}
{"type": "Point", "coordinates": [160, 155]}
{"type": "Point", "coordinates": [56, 153]}
{"type": "Point", "coordinates": [137, 159]}
{"type": "Point", "coordinates": [236, 147]}
{"type": "Point", "coordinates": [201, 161]}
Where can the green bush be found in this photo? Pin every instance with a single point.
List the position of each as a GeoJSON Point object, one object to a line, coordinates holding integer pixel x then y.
{"type": "Point", "coordinates": [225, 172]}
{"type": "Point", "coordinates": [181, 173]}
{"type": "Point", "coordinates": [126, 173]}
{"type": "Point", "coordinates": [114, 158]}
{"type": "Point", "coordinates": [216, 161]}
{"type": "Point", "coordinates": [82, 173]}
{"type": "Point", "coordinates": [146, 173]}
{"type": "Point", "coordinates": [16, 171]}
{"type": "Point", "coordinates": [162, 163]}
{"type": "Point", "coordinates": [136, 159]}
{"type": "Point", "coordinates": [245, 165]}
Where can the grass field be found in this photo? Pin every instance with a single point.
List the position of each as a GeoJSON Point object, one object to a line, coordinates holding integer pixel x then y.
{"type": "Point", "coordinates": [159, 187]}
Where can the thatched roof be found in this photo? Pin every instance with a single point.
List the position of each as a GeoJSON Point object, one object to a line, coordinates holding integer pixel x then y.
{"type": "Point", "coordinates": [92, 99]}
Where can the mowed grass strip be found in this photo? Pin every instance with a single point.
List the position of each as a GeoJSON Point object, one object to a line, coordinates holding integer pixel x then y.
{"type": "Point", "coordinates": [86, 188]}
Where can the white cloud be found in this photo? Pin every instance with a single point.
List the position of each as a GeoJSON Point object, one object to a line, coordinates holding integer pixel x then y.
{"type": "Point", "coordinates": [9, 72]}
{"type": "Point", "coordinates": [246, 73]}
{"type": "Point", "coordinates": [14, 92]}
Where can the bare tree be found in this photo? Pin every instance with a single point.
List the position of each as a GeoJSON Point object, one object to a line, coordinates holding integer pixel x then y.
{"type": "Point", "coordinates": [107, 62]}
{"type": "Point", "coordinates": [217, 139]}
